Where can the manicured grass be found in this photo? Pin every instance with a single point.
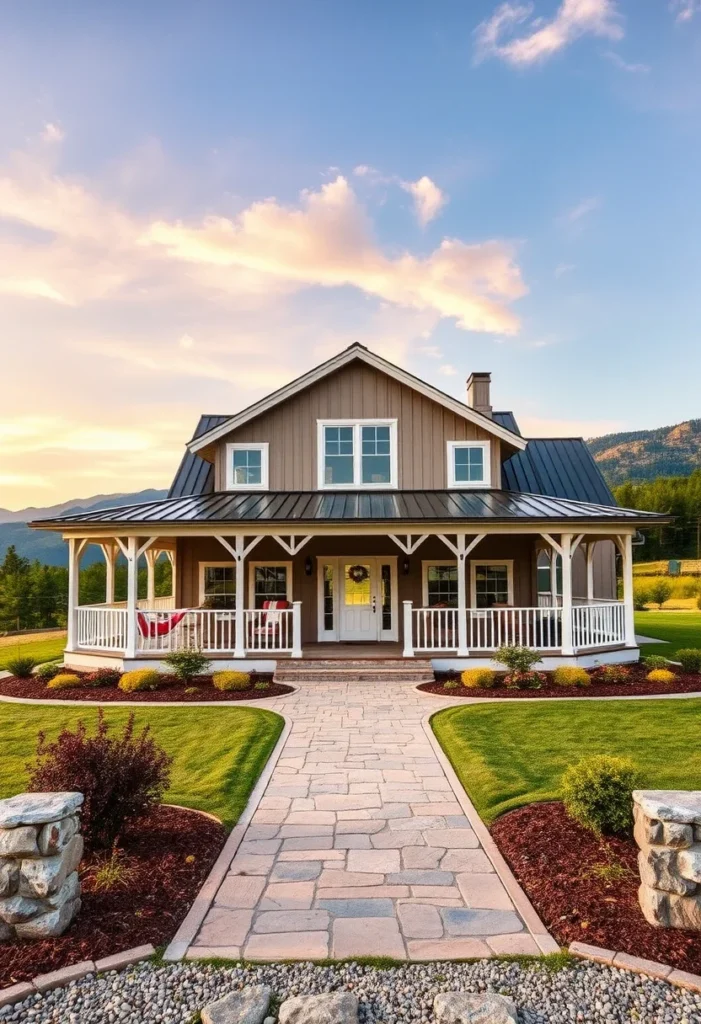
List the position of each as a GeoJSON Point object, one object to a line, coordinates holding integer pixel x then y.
{"type": "Point", "coordinates": [679, 629]}
{"type": "Point", "coordinates": [508, 755]}
{"type": "Point", "coordinates": [44, 649]}
{"type": "Point", "coordinates": [218, 752]}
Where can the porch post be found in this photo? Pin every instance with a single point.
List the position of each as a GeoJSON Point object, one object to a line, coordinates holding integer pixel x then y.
{"type": "Point", "coordinates": [173, 559]}
{"type": "Point", "coordinates": [132, 595]}
{"type": "Point", "coordinates": [590, 570]}
{"type": "Point", "coordinates": [151, 556]}
{"type": "Point", "coordinates": [553, 577]}
{"type": "Point", "coordinates": [408, 637]}
{"type": "Point", "coordinates": [626, 548]}
{"type": "Point", "coordinates": [463, 650]}
{"type": "Point", "coordinates": [567, 645]}
{"type": "Point", "coordinates": [73, 593]}
{"type": "Point", "coordinates": [239, 625]}
{"type": "Point", "coordinates": [296, 629]}
{"type": "Point", "coordinates": [110, 550]}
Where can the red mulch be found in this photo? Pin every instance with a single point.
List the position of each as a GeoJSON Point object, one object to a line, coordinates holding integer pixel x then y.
{"type": "Point", "coordinates": [170, 690]}
{"type": "Point", "coordinates": [160, 890]}
{"type": "Point", "coordinates": [637, 687]}
{"type": "Point", "coordinates": [553, 857]}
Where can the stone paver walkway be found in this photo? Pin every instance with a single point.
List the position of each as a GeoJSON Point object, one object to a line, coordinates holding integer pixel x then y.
{"type": "Point", "coordinates": [359, 846]}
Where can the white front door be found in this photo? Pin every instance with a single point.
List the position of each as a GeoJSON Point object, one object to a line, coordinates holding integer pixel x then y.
{"type": "Point", "coordinates": [358, 599]}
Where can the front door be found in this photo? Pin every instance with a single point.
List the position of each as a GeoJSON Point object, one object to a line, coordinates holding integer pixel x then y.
{"type": "Point", "coordinates": [358, 600]}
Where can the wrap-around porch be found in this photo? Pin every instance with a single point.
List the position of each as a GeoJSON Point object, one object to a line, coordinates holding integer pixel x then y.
{"type": "Point", "coordinates": [256, 596]}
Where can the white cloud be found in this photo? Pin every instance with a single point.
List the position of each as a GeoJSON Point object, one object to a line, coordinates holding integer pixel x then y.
{"type": "Point", "coordinates": [564, 268]}
{"type": "Point", "coordinates": [52, 133]}
{"type": "Point", "coordinates": [684, 10]}
{"type": "Point", "coordinates": [364, 171]}
{"type": "Point", "coordinates": [447, 370]}
{"type": "Point", "coordinates": [582, 209]}
{"type": "Point", "coordinates": [432, 351]}
{"type": "Point", "coordinates": [186, 341]}
{"type": "Point", "coordinates": [429, 200]}
{"type": "Point", "coordinates": [540, 39]}
{"type": "Point", "coordinates": [631, 69]}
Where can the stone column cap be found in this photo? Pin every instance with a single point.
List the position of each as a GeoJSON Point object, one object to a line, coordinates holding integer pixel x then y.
{"type": "Point", "coordinates": [37, 808]}
{"type": "Point", "coordinates": [680, 805]}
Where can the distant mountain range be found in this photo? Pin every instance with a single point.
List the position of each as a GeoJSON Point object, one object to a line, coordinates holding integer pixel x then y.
{"type": "Point", "coordinates": [645, 454]}
{"type": "Point", "coordinates": [50, 548]}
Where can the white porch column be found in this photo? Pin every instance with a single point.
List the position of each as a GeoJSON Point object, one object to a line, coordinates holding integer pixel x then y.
{"type": "Point", "coordinates": [110, 550]}
{"type": "Point", "coordinates": [173, 559]}
{"type": "Point", "coordinates": [553, 577]}
{"type": "Point", "coordinates": [408, 631]}
{"type": "Point", "coordinates": [590, 570]}
{"type": "Point", "coordinates": [625, 545]}
{"type": "Point", "coordinates": [151, 556]}
{"type": "Point", "coordinates": [296, 629]}
{"type": "Point", "coordinates": [74, 551]}
{"type": "Point", "coordinates": [132, 554]}
{"type": "Point", "coordinates": [567, 644]}
{"type": "Point", "coordinates": [240, 625]}
{"type": "Point", "coordinates": [463, 650]}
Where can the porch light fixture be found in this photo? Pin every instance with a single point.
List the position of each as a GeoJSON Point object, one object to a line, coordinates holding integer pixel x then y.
{"type": "Point", "coordinates": [406, 566]}
{"type": "Point", "coordinates": [308, 566]}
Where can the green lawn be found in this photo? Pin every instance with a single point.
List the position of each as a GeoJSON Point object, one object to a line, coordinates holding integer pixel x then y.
{"type": "Point", "coordinates": [680, 629]}
{"type": "Point", "coordinates": [510, 754]}
{"type": "Point", "coordinates": [218, 752]}
{"type": "Point", "coordinates": [45, 649]}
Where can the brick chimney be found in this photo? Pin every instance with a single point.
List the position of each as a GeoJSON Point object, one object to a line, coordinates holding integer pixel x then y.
{"type": "Point", "coordinates": [478, 393]}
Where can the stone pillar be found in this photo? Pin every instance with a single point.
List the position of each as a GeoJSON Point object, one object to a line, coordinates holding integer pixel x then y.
{"type": "Point", "coordinates": [668, 832]}
{"type": "Point", "coordinates": [40, 850]}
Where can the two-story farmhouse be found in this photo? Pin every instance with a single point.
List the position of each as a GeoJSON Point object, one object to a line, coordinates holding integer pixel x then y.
{"type": "Point", "coordinates": [361, 511]}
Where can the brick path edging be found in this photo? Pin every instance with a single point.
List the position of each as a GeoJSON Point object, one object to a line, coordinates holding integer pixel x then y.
{"type": "Point", "coordinates": [661, 972]}
{"type": "Point", "coordinates": [58, 979]}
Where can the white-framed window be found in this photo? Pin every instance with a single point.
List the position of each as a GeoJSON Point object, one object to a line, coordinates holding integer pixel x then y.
{"type": "Point", "coordinates": [357, 453]}
{"type": "Point", "coordinates": [247, 466]}
{"type": "Point", "coordinates": [269, 581]}
{"type": "Point", "coordinates": [469, 464]}
{"type": "Point", "coordinates": [492, 582]}
{"type": "Point", "coordinates": [439, 583]}
{"type": "Point", "coordinates": [218, 585]}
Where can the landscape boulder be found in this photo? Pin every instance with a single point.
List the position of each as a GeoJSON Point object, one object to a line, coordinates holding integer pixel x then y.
{"type": "Point", "coordinates": [473, 1008]}
{"type": "Point", "coordinates": [328, 1008]}
{"type": "Point", "coordinates": [249, 1006]}
{"type": "Point", "coordinates": [668, 832]}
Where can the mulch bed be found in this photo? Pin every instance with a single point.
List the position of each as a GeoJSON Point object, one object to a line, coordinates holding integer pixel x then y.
{"type": "Point", "coordinates": [170, 690]}
{"type": "Point", "coordinates": [637, 687]}
{"type": "Point", "coordinates": [558, 861]}
{"type": "Point", "coordinates": [149, 907]}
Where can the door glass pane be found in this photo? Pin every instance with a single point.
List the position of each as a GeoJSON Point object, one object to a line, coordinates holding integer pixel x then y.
{"type": "Point", "coordinates": [469, 465]}
{"type": "Point", "coordinates": [219, 590]}
{"type": "Point", "coordinates": [269, 584]}
{"type": "Point", "coordinates": [328, 597]}
{"type": "Point", "coordinates": [375, 455]}
{"type": "Point", "coordinates": [386, 582]}
{"type": "Point", "coordinates": [357, 584]}
{"type": "Point", "coordinates": [442, 586]}
{"type": "Point", "coordinates": [247, 466]}
{"type": "Point", "coordinates": [338, 455]}
{"type": "Point", "coordinates": [491, 585]}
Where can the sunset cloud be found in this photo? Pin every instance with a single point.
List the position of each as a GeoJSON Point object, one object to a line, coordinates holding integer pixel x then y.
{"type": "Point", "coordinates": [429, 200]}
{"type": "Point", "coordinates": [539, 39]}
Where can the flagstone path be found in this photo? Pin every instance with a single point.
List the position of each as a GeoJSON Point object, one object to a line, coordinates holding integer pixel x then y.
{"type": "Point", "coordinates": [359, 846]}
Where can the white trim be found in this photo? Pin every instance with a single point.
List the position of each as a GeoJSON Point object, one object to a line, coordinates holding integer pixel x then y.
{"type": "Point", "coordinates": [356, 351]}
{"type": "Point", "coordinates": [357, 425]}
{"type": "Point", "coordinates": [263, 447]}
{"type": "Point", "coordinates": [486, 462]}
{"type": "Point", "coordinates": [215, 565]}
{"type": "Point", "coordinates": [508, 562]}
{"type": "Point", "coordinates": [251, 578]}
{"type": "Point", "coordinates": [424, 574]}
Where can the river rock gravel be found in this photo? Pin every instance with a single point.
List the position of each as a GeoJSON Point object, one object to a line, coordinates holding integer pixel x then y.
{"type": "Point", "coordinates": [172, 994]}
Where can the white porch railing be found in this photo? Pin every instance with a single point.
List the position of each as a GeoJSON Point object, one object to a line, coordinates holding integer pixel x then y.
{"type": "Point", "coordinates": [101, 627]}
{"type": "Point", "coordinates": [596, 624]}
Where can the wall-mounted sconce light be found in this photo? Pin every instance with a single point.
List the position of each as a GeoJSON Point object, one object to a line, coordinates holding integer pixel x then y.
{"type": "Point", "coordinates": [308, 565]}
{"type": "Point", "coordinates": [406, 566]}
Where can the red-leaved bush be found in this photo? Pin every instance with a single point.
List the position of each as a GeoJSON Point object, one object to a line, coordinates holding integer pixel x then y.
{"type": "Point", "coordinates": [103, 677]}
{"type": "Point", "coordinates": [121, 776]}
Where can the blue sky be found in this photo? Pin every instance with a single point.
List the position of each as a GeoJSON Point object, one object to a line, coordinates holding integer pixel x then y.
{"type": "Point", "coordinates": [200, 201]}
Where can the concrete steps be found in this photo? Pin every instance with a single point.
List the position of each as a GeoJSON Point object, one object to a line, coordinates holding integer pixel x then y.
{"type": "Point", "coordinates": [360, 670]}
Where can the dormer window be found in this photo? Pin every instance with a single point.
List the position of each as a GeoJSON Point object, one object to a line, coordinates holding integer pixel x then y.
{"type": "Point", "coordinates": [357, 453]}
{"type": "Point", "coordinates": [469, 464]}
{"type": "Point", "coordinates": [247, 466]}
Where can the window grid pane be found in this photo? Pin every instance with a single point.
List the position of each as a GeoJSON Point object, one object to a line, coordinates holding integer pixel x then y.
{"type": "Point", "coordinates": [469, 464]}
{"type": "Point", "coordinates": [442, 585]}
{"type": "Point", "coordinates": [269, 584]}
{"type": "Point", "coordinates": [491, 585]}
{"type": "Point", "coordinates": [376, 468]}
{"type": "Point", "coordinates": [248, 466]}
{"type": "Point", "coordinates": [219, 589]}
{"type": "Point", "coordinates": [338, 455]}
{"type": "Point", "coordinates": [386, 584]}
{"type": "Point", "coordinates": [328, 597]}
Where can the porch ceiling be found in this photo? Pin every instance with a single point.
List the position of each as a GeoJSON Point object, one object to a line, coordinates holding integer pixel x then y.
{"type": "Point", "coordinates": [316, 507]}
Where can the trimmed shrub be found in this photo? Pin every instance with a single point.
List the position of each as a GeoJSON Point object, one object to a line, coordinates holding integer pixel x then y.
{"type": "Point", "coordinates": [570, 675]}
{"type": "Point", "coordinates": [478, 678]}
{"type": "Point", "coordinates": [121, 776]}
{"type": "Point", "coordinates": [64, 681]}
{"type": "Point", "coordinates": [22, 666]}
{"type": "Point", "coordinates": [690, 659]}
{"type": "Point", "coordinates": [525, 680]}
{"type": "Point", "coordinates": [103, 677]}
{"type": "Point", "coordinates": [654, 661]}
{"type": "Point", "coordinates": [517, 659]}
{"type": "Point", "coordinates": [47, 671]}
{"type": "Point", "coordinates": [641, 594]}
{"type": "Point", "coordinates": [660, 591]}
{"type": "Point", "coordinates": [613, 674]}
{"type": "Point", "coordinates": [185, 664]}
{"type": "Point", "coordinates": [450, 684]}
{"type": "Point", "coordinates": [661, 675]}
{"type": "Point", "coordinates": [231, 680]}
{"type": "Point", "coordinates": [597, 793]}
{"type": "Point", "coordinates": [140, 679]}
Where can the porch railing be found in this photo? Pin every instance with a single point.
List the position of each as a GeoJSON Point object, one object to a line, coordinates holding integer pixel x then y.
{"type": "Point", "coordinates": [102, 627]}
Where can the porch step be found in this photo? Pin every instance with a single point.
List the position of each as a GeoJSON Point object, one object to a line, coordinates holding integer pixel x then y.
{"type": "Point", "coordinates": [366, 670]}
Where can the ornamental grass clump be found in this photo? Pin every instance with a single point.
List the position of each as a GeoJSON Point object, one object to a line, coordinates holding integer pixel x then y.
{"type": "Point", "coordinates": [121, 776]}
{"type": "Point", "coordinates": [140, 679]}
{"type": "Point", "coordinates": [231, 680]}
{"type": "Point", "coordinates": [597, 792]}
{"type": "Point", "coordinates": [661, 675]}
{"type": "Point", "coordinates": [478, 678]}
{"type": "Point", "coordinates": [450, 684]}
{"type": "Point", "coordinates": [688, 657]}
{"type": "Point", "coordinates": [653, 661]}
{"type": "Point", "coordinates": [47, 671]}
{"type": "Point", "coordinates": [64, 681]}
{"type": "Point", "coordinates": [187, 664]}
{"type": "Point", "coordinates": [21, 666]}
{"type": "Point", "coordinates": [570, 675]}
